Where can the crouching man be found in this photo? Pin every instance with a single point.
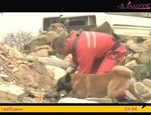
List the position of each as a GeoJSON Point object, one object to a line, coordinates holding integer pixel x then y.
{"type": "Point", "coordinates": [92, 52]}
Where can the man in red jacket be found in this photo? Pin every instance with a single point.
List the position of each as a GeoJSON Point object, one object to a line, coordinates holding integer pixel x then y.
{"type": "Point", "coordinates": [93, 52]}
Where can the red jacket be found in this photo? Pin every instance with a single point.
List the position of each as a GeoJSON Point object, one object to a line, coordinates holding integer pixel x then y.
{"type": "Point", "coordinates": [90, 46]}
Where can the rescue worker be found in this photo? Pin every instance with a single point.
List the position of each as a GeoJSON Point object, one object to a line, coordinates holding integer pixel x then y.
{"type": "Point", "coordinates": [92, 52]}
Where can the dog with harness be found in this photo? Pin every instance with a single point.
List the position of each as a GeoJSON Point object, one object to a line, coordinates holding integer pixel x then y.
{"type": "Point", "coordinates": [111, 84]}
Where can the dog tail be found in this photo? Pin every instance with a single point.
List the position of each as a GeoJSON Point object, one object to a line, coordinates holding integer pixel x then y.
{"type": "Point", "coordinates": [123, 71]}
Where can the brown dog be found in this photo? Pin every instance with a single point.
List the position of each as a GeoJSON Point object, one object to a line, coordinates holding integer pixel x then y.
{"type": "Point", "coordinates": [92, 85]}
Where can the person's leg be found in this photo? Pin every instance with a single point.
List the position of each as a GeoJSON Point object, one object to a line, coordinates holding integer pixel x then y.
{"type": "Point", "coordinates": [113, 58]}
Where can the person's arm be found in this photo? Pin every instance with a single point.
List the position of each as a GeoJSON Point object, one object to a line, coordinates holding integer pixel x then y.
{"type": "Point", "coordinates": [72, 67]}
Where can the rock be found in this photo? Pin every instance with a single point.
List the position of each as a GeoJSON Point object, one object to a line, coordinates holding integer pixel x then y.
{"type": "Point", "coordinates": [59, 29]}
{"type": "Point", "coordinates": [40, 53]}
{"type": "Point", "coordinates": [53, 97]}
{"type": "Point", "coordinates": [147, 43]}
{"type": "Point", "coordinates": [48, 84]}
{"type": "Point", "coordinates": [50, 71]}
{"type": "Point", "coordinates": [14, 53]}
{"type": "Point", "coordinates": [141, 88]}
{"type": "Point", "coordinates": [38, 41]}
{"type": "Point", "coordinates": [128, 58]}
{"type": "Point", "coordinates": [4, 59]}
{"type": "Point", "coordinates": [6, 101]}
{"type": "Point", "coordinates": [11, 92]}
{"type": "Point", "coordinates": [11, 66]}
{"type": "Point", "coordinates": [39, 67]}
{"type": "Point", "coordinates": [146, 55]}
{"type": "Point", "coordinates": [51, 35]}
{"type": "Point", "coordinates": [34, 77]}
{"type": "Point", "coordinates": [3, 75]}
{"type": "Point", "coordinates": [53, 61]}
{"type": "Point", "coordinates": [51, 51]}
{"type": "Point", "coordinates": [100, 100]}
{"type": "Point", "coordinates": [15, 69]}
{"type": "Point", "coordinates": [3, 81]}
{"type": "Point", "coordinates": [138, 48]}
{"type": "Point", "coordinates": [146, 95]}
{"type": "Point", "coordinates": [74, 100]}
{"type": "Point", "coordinates": [132, 57]}
{"type": "Point", "coordinates": [136, 56]}
{"type": "Point", "coordinates": [34, 100]}
{"type": "Point", "coordinates": [134, 39]}
{"type": "Point", "coordinates": [31, 82]}
{"type": "Point", "coordinates": [131, 63]}
{"type": "Point", "coordinates": [147, 82]}
{"type": "Point", "coordinates": [58, 72]}
{"type": "Point", "coordinates": [1, 68]}
{"type": "Point", "coordinates": [130, 42]}
{"type": "Point", "coordinates": [5, 48]}
{"type": "Point", "coordinates": [36, 48]}
{"type": "Point", "coordinates": [37, 94]}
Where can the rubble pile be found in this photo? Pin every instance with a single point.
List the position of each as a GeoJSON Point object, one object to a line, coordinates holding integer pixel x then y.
{"type": "Point", "coordinates": [138, 50]}
{"type": "Point", "coordinates": [41, 45]}
{"type": "Point", "coordinates": [25, 74]}
{"type": "Point", "coordinates": [27, 77]}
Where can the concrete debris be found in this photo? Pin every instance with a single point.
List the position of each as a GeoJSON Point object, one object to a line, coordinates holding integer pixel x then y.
{"type": "Point", "coordinates": [11, 92]}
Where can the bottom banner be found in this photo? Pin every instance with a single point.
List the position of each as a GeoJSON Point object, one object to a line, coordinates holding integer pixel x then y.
{"type": "Point", "coordinates": [71, 108]}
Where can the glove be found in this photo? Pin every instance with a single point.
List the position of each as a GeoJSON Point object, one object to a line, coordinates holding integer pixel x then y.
{"type": "Point", "coordinates": [70, 69]}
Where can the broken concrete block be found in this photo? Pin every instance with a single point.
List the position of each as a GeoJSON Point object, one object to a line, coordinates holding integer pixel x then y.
{"type": "Point", "coordinates": [57, 71]}
{"type": "Point", "coordinates": [11, 92]}
{"type": "Point", "coordinates": [74, 100]}
{"type": "Point", "coordinates": [100, 100]}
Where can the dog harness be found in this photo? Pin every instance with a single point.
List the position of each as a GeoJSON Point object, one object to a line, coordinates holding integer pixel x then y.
{"type": "Point", "coordinates": [116, 38]}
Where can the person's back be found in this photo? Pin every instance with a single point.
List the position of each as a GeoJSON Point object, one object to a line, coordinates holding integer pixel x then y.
{"type": "Point", "coordinates": [90, 46]}
{"type": "Point", "coordinates": [94, 44]}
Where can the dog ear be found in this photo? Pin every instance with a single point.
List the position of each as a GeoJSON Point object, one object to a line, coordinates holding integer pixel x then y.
{"type": "Point", "coordinates": [67, 78]}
